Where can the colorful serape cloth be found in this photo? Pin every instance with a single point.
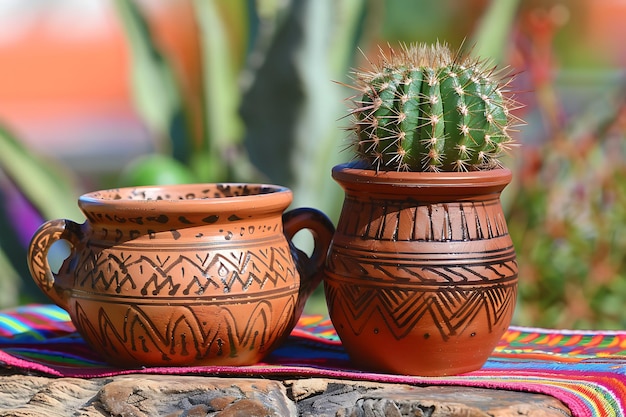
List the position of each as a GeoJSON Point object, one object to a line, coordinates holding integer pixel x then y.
{"type": "Point", "coordinates": [586, 370]}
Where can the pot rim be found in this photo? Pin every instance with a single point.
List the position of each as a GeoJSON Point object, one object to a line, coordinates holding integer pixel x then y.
{"type": "Point", "coordinates": [451, 185]}
{"type": "Point", "coordinates": [268, 196]}
{"type": "Point", "coordinates": [349, 172]}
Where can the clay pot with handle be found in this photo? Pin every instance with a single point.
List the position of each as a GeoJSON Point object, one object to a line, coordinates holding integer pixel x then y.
{"type": "Point", "coordinates": [185, 275]}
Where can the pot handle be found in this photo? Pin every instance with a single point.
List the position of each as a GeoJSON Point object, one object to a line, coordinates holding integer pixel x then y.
{"type": "Point", "coordinates": [40, 244]}
{"type": "Point", "coordinates": [311, 268]}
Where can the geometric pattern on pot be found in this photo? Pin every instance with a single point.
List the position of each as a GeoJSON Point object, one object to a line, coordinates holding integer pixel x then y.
{"type": "Point", "coordinates": [451, 311]}
{"type": "Point", "coordinates": [401, 220]}
{"type": "Point", "coordinates": [422, 274]}
{"type": "Point", "coordinates": [426, 263]}
{"type": "Point", "coordinates": [214, 273]}
{"type": "Point", "coordinates": [190, 333]}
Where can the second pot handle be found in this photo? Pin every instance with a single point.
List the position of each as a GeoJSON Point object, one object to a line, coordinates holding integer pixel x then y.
{"type": "Point", "coordinates": [311, 268]}
{"type": "Point", "coordinates": [40, 244]}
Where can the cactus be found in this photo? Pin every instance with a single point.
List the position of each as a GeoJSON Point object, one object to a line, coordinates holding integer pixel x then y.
{"type": "Point", "coordinates": [426, 108]}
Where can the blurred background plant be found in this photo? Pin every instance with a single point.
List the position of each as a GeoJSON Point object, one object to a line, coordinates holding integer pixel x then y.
{"type": "Point", "coordinates": [97, 94]}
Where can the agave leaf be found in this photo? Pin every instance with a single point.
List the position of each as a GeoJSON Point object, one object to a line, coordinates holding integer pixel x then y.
{"type": "Point", "coordinates": [224, 41]}
{"type": "Point", "coordinates": [292, 108]}
{"type": "Point", "coordinates": [221, 92]}
{"type": "Point", "coordinates": [50, 188]}
{"type": "Point", "coordinates": [156, 92]}
{"type": "Point", "coordinates": [493, 32]}
{"type": "Point", "coordinates": [319, 140]}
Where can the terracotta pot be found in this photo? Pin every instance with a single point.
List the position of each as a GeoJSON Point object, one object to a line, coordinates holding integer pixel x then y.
{"type": "Point", "coordinates": [421, 276]}
{"type": "Point", "coordinates": [183, 275]}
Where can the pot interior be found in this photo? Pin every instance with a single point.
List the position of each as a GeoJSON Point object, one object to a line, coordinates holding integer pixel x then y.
{"type": "Point", "coordinates": [185, 192]}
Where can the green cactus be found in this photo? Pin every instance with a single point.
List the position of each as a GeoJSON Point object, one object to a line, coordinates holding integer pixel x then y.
{"type": "Point", "coordinates": [426, 108]}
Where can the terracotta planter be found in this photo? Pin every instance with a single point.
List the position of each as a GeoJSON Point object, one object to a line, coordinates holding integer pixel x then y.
{"type": "Point", "coordinates": [421, 276]}
{"type": "Point", "coordinates": [183, 275]}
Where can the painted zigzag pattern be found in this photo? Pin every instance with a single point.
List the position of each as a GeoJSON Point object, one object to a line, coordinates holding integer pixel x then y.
{"type": "Point", "coordinates": [451, 309]}
{"type": "Point", "coordinates": [187, 333]}
{"type": "Point", "coordinates": [222, 272]}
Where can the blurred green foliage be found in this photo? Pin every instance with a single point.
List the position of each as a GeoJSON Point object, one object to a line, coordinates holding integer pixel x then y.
{"type": "Point", "coordinates": [267, 109]}
{"type": "Point", "coordinates": [568, 221]}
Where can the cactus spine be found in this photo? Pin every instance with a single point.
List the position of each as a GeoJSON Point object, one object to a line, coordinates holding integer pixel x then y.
{"type": "Point", "coordinates": [425, 108]}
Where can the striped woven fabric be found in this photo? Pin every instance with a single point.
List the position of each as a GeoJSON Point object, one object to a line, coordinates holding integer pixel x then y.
{"type": "Point", "coordinates": [586, 370]}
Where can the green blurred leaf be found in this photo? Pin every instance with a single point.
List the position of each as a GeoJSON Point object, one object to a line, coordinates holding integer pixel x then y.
{"type": "Point", "coordinates": [9, 282]}
{"type": "Point", "coordinates": [51, 189]}
{"type": "Point", "coordinates": [494, 29]}
{"type": "Point", "coordinates": [409, 21]}
{"type": "Point", "coordinates": [155, 169]}
{"type": "Point", "coordinates": [224, 41]}
{"type": "Point", "coordinates": [157, 94]}
{"type": "Point", "coordinates": [221, 92]}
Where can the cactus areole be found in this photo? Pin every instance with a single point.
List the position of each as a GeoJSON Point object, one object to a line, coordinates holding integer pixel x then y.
{"type": "Point", "coordinates": [425, 108]}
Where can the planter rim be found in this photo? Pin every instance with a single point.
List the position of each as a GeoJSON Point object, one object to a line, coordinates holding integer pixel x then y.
{"type": "Point", "coordinates": [488, 178]}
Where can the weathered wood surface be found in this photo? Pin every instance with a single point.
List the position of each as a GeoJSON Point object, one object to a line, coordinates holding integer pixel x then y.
{"type": "Point", "coordinates": [190, 396]}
